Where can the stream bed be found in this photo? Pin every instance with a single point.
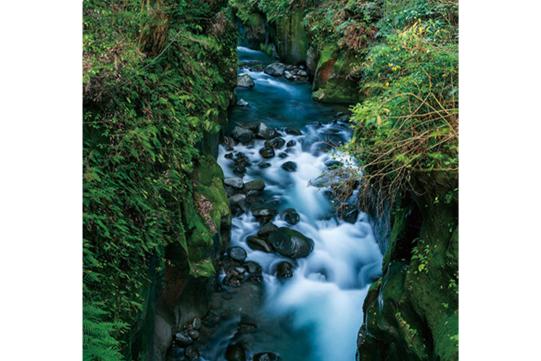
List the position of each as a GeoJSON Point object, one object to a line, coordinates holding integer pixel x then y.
{"type": "Point", "coordinates": [289, 295]}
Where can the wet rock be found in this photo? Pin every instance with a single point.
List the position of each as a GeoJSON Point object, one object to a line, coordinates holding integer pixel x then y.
{"type": "Point", "coordinates": [266, 356]}
{"type": "Point", "coordinates": [293, 131]}
{"type": "Point", "coordinates": [258, 243]}
{"type": "Point", "coordinates": [264, 213]}
{"type": "Point", "coordinates": [284, 270]}
{"type": "Point", "coordinates": [283, 155]}
{"type": "Point", "coordinates": [196, 323]}
{"type": "Point", "coordinates": [265, 132]}
{"type": "Point", "coordinates": [326, 180]}
{"type": "Point", "coordinates": [333, 164]}
{"type": "Point", "coordinates": [192, 353]}
{"type": "Point", "coordinates": [239, 170]}
{"type": "Point", "coordinates": [252, 267]}
{"type": "Point", "coordinates": [182, 339]}
{"type": "Point", "coordinates": [194, 334]}
{"type": "Point", "coordinates": [291, 216]}
{"type": "Point", "coordinates": [235, 182]}
{"type": "Point", "coordinates": [349, 213]}
{"type": "Point", "coordinates": [266, 152]}
{"type": "Point", "coordinates": [264, 165]}
{"type": "Point", "coordinates": [229, 143]}
{"type": "Point", "coordinates": [242, 103]}
{"type": "Point", "coordinates": [291, 243]}
{"type": "Point", "coordinates": [235, 352]}
{"type": "Point", "coordinates": [245, 81]}
{"type": "Point", "coordinates": [321, 147]}
{"type": "Point", "coordinates": [254, 185]}
{"type": "Point", "coordinates": [267, 229]}
{"type": "Point", "coordinates": [289, 166]}
{"type": "Point", "coordinates": [228, 156]}
{"type": "Point", "coordinates": [275, 69]}
{"type": "Point", "coordinates": [237, 203]}
{"type": "Point", "coordinates": [291, 143]}
{"type": "Point", "coordinates": [296, 74]}
{"type": "Point", "coordinates": [242, 135]}
{"type": "Point", "coordinates": [237, 253]}
{"type": "Point", "coordinates": [275, 143]}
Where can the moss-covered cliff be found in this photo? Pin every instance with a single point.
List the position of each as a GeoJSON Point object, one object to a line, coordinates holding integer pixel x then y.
{"type": "Point", "coordinates": [411, 312]}
{"type": "Point", "coordinates": [158, 79]}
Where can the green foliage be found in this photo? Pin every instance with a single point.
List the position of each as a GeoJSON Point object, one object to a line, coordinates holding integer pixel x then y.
{"type": "Point", "coordinates": [157, 77]}
{"type": "Point", "coordinates": [98, 341]}
{"type": "Point", "coordinates": [349, 24]}
{"type": "Point", "coordinates": [407, 124]}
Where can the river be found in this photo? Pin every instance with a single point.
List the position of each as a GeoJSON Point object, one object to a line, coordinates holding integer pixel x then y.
{"type": "Point", "coordinates": [315, 314]}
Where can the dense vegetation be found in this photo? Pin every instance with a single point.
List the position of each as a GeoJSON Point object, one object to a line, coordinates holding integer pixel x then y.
{"type": "Point", "coordinates": [157, 79]}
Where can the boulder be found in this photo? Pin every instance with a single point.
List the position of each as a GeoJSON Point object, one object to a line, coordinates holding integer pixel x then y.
{"type": "Point", "coordinates": [237, 203]}
{"type": "Point", "coordinates": [282, 155]}
{"type": "Point", "coordinates": [258, 243]}
{"type": "Point", "coordinates": [264, 165]}
{"type": "Point", "coordinates": [235, 182]}
{"type": "Point", "coordinates": [242, 135]}
{"type": "Point", "coordinates": [266, 229]}
{"type": "Point", "coordinates": [275, 143]}
{"type": "Point", "coordinates": [254, 185]}
{"type": "Point", "coordinates": [182, 339]}
{"type": "Point", "coordinates": [266, 152]}
{"type": "Point", "coordinates": [264, 213]}
{"type": "Point", "coordinates": [275, 69]}
{"type": "Point", "coordinates": [289, 166]}
{"type": "Point", "coordinates": [291, 143]}
{"type": "Point", "coordinates": [264, 132]}
{"type": "Point", "coordinates": [237, 253]}
{"type": "Point", "coordinates": [245, 81]}
{"type": "Point", "coordinates": [291, 216]}
{"type": "Point", "coordinates": [291, 243]}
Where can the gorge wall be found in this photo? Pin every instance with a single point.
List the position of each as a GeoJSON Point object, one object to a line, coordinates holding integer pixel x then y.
{"type": "Point", "coordinates": [158, 78]}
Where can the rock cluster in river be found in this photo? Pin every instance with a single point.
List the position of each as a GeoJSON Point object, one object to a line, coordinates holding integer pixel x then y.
{"type": "Point", "coordinates": [185, 345]}
{"type": "Point", "coordinates": [290, 72]}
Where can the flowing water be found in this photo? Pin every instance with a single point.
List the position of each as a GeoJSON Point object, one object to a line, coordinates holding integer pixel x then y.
{"type": "Point", "coordinates": [315, 315]}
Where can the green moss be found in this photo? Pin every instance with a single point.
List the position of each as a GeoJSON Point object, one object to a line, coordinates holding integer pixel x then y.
{"type": "Point", "coordinates": [291, 39]}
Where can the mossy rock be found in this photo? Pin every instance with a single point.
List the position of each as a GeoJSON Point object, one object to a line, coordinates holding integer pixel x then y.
{"type": "Point", "coordinates": [291, 38]}
{"type": "Point", "coordinates": [411, 313]}
{"type": "Point", "coordinates": [204, 216]}
{"type": "Point", "coordinates": [332, 83]}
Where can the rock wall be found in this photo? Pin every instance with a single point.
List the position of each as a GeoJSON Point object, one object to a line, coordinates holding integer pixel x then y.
{"type": "Point", "coordinates": [291, 39]}
{"type": "Point", "coordinates": [411, 312]}
{"type": "Point", "coordinates": [181, 291]}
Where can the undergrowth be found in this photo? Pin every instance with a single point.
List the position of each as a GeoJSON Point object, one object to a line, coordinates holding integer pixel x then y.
{"type": "Point", "coordinates": [157, 77]}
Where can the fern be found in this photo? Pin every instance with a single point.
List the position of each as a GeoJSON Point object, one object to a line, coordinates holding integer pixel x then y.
{"type": "Point", "coordinates": [98, 341]}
